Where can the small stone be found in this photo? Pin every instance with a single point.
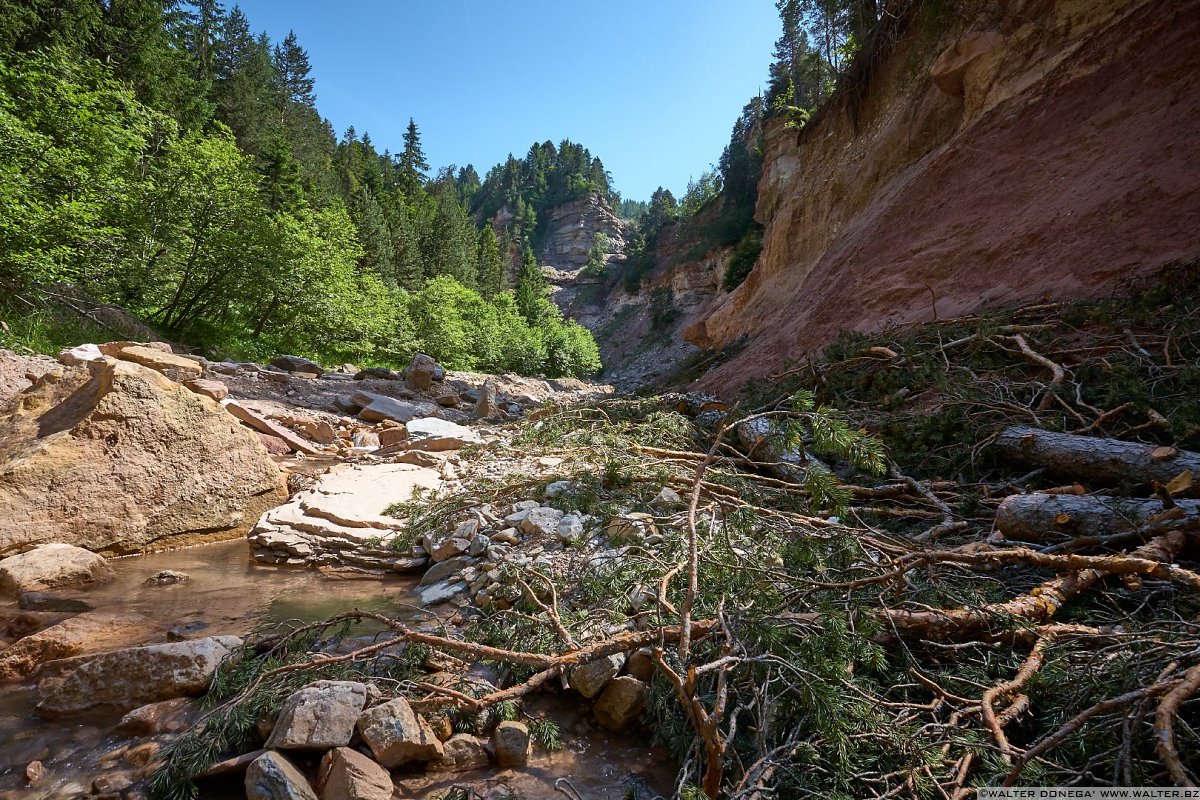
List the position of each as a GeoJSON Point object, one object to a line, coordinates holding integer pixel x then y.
{"type": "Point", "coordinates": [214, 390]}
{"type": "Point", "coordinates": [347, 774]}
{"type": "Point", "coordinates": [570, 528]}
{"type": "Point", "coordinates": [112, 783]}
{"type": "Point", "coordinates": [510, 742]}
{"type": "Point", "coordinates": [397, 736]}
{"type": "Point", "coordinates": [621, 703]}
{"type": "Point", "coordinates": [167, 577]}
{"type": "Point", "coordinates": [541, 521]}
{"type": "Point", "coordinates": [462, 752]}
{"type": "Point", "coordinates": [451, 547]}
{"type": "Point", "coordinates": [524, 505]}
{"type": "Point", "coordinates": [506, 536]}
{"type": "Point", "coordinates": [560, 489]}
{"type": "Point", "coordinates": [273, 777]}
{"type": "Point", "coordinates": [667, 499]}
{"type": "Point", "coordinates": [34, 772]}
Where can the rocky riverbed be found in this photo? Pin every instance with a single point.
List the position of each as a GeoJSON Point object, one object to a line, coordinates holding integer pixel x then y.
{"type": "Point", "coordinates": [101, 656]}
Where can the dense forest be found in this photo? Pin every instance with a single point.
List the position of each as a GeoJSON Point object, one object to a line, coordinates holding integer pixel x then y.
{"type": "Point", "coordinates": [162, 157]}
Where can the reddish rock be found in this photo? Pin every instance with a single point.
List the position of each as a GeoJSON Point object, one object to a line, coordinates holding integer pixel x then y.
{"type": "Point", "coordinates": [1066, 168]}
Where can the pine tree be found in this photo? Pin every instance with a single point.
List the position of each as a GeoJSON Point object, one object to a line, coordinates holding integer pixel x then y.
{"type": "Point", "coordinates": [202, 34]}
{"type": "Point", "coordinates": [493, 277]}
{"type": "Point", "coordinates": [532, 290]}
{"type": "Point", "coordinates": [413, 166]}
{"type": "Point", "coordinates": [245, 84]}
{"type": "Point", "coordinates": [295, 87]}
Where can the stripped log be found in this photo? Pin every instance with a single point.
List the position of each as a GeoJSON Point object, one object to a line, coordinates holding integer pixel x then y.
{"type": "Point", "coordinates": [1104, 461]}
{"type": "Point", "coordinates": [1058, 517]}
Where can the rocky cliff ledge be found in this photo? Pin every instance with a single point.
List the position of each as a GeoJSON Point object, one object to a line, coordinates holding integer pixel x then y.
{"type": "Point", "coordinates": [1034, 148]}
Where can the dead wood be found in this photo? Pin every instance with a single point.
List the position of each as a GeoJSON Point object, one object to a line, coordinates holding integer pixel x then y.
{"type": "Point", "coordinates": [1103, 461]}
{"type": "Point", "coordinates": [1041, 517]}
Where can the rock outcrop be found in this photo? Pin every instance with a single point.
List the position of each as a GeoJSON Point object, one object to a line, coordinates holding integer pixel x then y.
{"type": "Point", "coordinates": [571, 229]}
{"type": "Point", "coordinates": [154, 464]}
{"type": "Point", "coordinates": [1036, 152]}
{"type": "Point", "coordinates": [339, 521]}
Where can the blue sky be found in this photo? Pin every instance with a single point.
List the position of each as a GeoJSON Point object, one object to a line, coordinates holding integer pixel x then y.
{"type": "Point", "coordinates": [651, 87]}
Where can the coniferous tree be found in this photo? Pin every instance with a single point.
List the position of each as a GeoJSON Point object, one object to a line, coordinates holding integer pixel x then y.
{"type": "Point", "coordinates": [493, 277]}
{"type": "Point", "coordinates": [294, 86]}
{"type": "Point", "coordinates": [374, 236]}
{"type": "Point", "coordinates": [532, 290]}
{"type": "Point", "coordinates": [413, 166]}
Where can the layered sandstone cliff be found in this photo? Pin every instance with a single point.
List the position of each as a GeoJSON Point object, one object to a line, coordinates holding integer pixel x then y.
{"type": "Point", "coordinates": [1032, 148]}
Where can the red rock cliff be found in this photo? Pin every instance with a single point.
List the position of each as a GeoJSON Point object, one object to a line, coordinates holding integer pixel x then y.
{"type": "Point", "coordinates": [1039, 148]}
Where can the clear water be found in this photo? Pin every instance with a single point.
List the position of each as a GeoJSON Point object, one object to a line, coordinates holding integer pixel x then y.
{"type": "Point", "coordinates": [229, 594]}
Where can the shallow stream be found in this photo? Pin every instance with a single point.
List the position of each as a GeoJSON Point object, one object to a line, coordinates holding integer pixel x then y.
{"type": "Point", "coordinates": [228, 594]}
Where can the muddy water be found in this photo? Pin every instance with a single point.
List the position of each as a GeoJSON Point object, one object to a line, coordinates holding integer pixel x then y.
{"type": "Point", "coordinates": [229, 594]}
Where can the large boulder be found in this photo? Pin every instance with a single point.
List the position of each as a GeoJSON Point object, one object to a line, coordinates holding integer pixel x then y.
{"type": "Point", "coordinates": [462, 752]}
{"type": "Point", "coordinates": [151, 463]}
{"type": "Point", "coordinates": [590, 679]}
{"type": "Point", "coordinates": [423, 371]}
{"type": "Point", "coordinates": [378, 407]}
{"type": "Point", "coordinates": [297, 364]}
{"type": "Point", "coordinates": [273, 777]}
{"type": "Point", "coordinates": [397, 735]}
{"type": "Point", "coordinates": [122, 680]}
{"type": "Point", "coordinates": [319, 716]}
{"type": "Point", "coordinates": [621, 703]}
{"type": "Point", "coordinates": [510, 741]}
{"type": "Point", "coordinates": [51, 566]}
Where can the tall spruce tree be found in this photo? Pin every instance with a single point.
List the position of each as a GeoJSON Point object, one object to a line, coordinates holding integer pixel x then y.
{"type": "Point", "coordinates": [532, 290]}
{"type": "Point", "coordinates": [292, 69]}
{"type": "Point", "coordinates": [413, 166]}
{"type": "Point", "coordinates": [493, 277]}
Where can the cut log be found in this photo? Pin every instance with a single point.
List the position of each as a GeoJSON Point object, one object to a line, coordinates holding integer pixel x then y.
{"type": "Point", "coordinates": [1058, 517]}
{"type": "Point", "coordinates": [1102, 461]}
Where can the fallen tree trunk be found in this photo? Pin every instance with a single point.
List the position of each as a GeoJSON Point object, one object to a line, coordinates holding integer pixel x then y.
{"type": "Point", "coordinates": [1058, 517]}
{"type": "Point", "coordinates": [1091, 459]}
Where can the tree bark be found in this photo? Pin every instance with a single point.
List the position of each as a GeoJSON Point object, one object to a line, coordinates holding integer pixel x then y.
{"type": "Point", "coordinates": [1105, 461]}
{"type": "Point", "coordinates": [1059, 517]}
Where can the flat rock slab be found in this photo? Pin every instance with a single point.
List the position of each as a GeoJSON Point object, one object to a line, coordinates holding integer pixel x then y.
{"type": "Point", "coordinates": [340, 520]}
{"type": "Point", "coordinates": [52, 566]}
{"type": "Point", "coordinates": [434, 435]}
{"type": "Point", "coordinates": [122, 680]}
{"type": "Point", "coordinates": [177, 368]}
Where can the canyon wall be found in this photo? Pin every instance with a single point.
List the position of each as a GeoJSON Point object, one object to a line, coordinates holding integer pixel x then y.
{"type": "Point", "coordinates": [1045, 148]}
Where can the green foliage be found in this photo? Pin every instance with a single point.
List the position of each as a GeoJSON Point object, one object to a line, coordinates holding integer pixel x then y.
{"type": "Point", "coordinates": [662, 308]}
{"type": "Point", "coordinates": [71, 139]}
{"type": "Point", "coordinates": [189, 178]}
{"type": "Point", "coordinates": [742, 259]}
